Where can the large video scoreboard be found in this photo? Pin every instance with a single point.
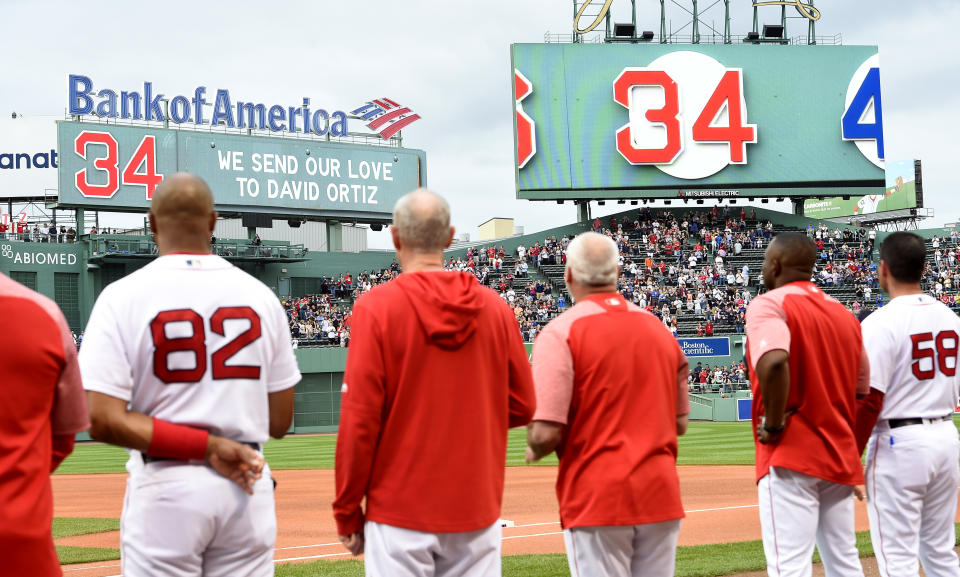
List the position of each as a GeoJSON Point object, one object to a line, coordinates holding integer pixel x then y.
{"type": "Point", "coordinates": [659, 120]}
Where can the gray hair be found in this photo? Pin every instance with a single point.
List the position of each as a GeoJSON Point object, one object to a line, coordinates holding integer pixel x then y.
{"type": "Point", "coordinates": [422, 219]}
{"type": "Point", "coordinates": [593, 259]}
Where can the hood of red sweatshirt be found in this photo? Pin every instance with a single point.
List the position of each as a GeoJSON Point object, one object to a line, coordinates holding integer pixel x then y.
{"type": "Point", "coordinates": [446, 303]}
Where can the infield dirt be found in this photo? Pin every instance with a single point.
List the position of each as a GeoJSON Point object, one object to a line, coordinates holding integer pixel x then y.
{"type": "Point", "coordinates": [720, 502]}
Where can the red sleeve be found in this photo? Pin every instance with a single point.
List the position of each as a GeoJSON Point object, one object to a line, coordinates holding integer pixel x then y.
{"type": "Point", "coordinates": [69, 413]}
{"type": "Point", "coordinates": [683, 387]}
{"type": "Point", "coordinates": [362, 397]}
{"type": "Point", "coordinates": [62, 447]}
{"type": "Point", "coordinates": [523, 398]}
{"type": "Point", "coordinates": [553, 374]}
{"type": "Point", "coordinates": [868, 409]}
{"type": "Point", "coordinates": [767, 329]}
{"type": "Point", "coordinates": [863, 379]}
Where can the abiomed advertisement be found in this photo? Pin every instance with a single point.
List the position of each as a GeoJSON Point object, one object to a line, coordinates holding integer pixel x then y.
{"type": "Point", "coordinates": [900, 193]}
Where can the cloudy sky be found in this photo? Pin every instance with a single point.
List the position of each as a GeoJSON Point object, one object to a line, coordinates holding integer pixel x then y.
{"type": "Point", "coordinates": [450, 62]}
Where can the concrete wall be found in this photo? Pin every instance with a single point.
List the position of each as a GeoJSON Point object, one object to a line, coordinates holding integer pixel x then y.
{"type": "Point", "coordinates": [716, 407]}
{"type": "Point", "coordinates": [495, 228]}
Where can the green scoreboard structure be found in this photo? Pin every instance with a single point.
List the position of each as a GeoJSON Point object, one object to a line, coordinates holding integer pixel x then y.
{"type": "Point", "coordinates": [116, 168]}
{"type": "Point", "coordinates": [635, 120]}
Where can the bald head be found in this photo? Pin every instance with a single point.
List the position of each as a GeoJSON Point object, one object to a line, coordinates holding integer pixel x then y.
{"type": "Point", "coordinates": [593, 259]}
{"type": "Point", "coordinates": [421, 221]}
{"type": "Point", "coordinates": [182, 215]}
{"type": "Point", "coordinates": [790, 257]}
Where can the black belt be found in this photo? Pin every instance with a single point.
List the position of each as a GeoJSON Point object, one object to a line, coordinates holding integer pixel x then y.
{"type": "Point", "coordinates": [897, 423]}
{"type": "Point", "coordinates": [150, 459]}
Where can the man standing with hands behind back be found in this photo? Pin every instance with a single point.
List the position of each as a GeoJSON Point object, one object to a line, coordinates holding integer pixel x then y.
{"type": "Point", "coordinates": [912, 458]}
{"type": "Point", "coordinates": [187, 362]}
{"type": "Point", "coordinates": [807, 369]}
{"type": "Point", "coordinates": [612, 412]}
{"type": "Point", "coordinates": [423, 426]}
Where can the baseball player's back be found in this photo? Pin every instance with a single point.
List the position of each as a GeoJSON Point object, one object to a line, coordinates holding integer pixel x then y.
{"type": "Point", "coordinates": [435, 375]}
{"type": "Point", "coordinates": [807, 367]}
{"type": "Point", "coordinates": [912, 343]}
{"type": "Point", "coordinates": [826, 362]}
{"type": "Point", "coordinates": [612, 397]}
{"type": "Point", "coordinates": [204, 342]}
{"type": "Point", "coordinates": [912, 469]}
{"type": "Point", "coordinates": [187, 362]}
{"type": "Point", "coordinates": [436, 363]}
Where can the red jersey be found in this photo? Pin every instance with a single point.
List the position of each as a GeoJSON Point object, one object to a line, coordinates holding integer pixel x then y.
{"type": "Point", "coordinates": [436, 374]}
{"type": "Point", "coordinates": [42, 406]}
{"type": "Point", "coordinates": [828, 368]}
{"type": "Point", "coordinates": [619, 397]}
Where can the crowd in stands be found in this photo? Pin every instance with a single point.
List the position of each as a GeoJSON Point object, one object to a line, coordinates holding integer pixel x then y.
{"type": "Point", "coordinates": [941, 276]}
{"type": "Point", "coordinates": [678, 266]}
{"type": "Point", "coordinates": [324, 318]}
{"type": "Point", "coordinates": [318, 318]}
{"type": "Point", "coordinates": [532, 301]}
{"type": "Point", "coordinates": [725, 378]}
{"type": "Point", "coordinates": [48, 232]}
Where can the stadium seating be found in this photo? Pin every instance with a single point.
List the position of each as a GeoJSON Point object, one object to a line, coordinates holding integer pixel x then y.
{"type": "Point", "coordinates": [656, 248]}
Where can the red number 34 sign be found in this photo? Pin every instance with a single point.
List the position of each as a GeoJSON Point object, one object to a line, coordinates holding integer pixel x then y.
{"type": "Point", "coordinates": [687, 115]}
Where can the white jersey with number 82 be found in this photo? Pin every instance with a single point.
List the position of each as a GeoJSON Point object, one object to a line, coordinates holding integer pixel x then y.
{"type": "Point", "coordinates": [912, 343]}
{"type": "Point", "coordinates": [193, 340]}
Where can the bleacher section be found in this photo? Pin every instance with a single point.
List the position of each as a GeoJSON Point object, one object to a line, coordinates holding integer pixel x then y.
{"type": "Point", "coordinates": [656, 248]}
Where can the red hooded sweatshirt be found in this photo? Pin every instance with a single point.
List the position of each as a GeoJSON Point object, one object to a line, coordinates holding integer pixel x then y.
{"type": "Point", "coordinates": [436, 374]}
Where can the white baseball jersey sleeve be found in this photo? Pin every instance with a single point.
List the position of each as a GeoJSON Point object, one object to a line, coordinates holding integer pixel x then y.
{"type": "Point", "coordinates": [193, 340]}
{"type": "Point", "coordinates": [912, 343]}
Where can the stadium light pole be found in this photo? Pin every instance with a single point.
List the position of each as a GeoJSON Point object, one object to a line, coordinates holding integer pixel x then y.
{"type": "Point", "coordinates": [811, 30]}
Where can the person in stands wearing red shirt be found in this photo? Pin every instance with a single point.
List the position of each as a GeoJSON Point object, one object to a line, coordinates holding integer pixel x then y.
{"type": "Point", "coordinates": [421, 438]}
{"type": "Point", "coordinates": [612, 413]}
{"type": "Point", "coordinates": [807, 369]}
{"type": "Point", "coordinates": [708, 328]}
{"type": "Point", "coordinates": [42, 407]}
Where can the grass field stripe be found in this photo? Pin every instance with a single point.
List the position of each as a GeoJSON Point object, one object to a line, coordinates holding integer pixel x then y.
{"type": "Point", "coordinates": [308, 558]}
{"type": "Point", "coordinates": [534, 535]}
{"type": "Point", "coordinates": [307, 546]}
{"type": "Point", "coordinates": [690, 511]}
{"type": "Point", "coordinates": [723, 508]}
{"type": "Point", "coordinates": [535, 524]}
{"type": "Point", "coordinates": [90, 568]}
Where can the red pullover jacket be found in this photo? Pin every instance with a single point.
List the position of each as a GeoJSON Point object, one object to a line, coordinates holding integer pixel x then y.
{"type": "Point", "coordinates": [436, 374]}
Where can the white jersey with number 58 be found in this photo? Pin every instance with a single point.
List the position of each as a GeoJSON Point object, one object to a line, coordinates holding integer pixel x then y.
{"type": "Point", "coordinates": [912, 343]}
{"type": "Point", "coordinates": [193, 340]}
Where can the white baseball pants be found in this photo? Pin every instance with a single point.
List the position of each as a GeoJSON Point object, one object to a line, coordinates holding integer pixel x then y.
{"type": "Point", "coordinates": [390, 551]}
{"type": "Point", "coordinates": [185, 520]}
{"type": "Point", "coordinates": [912, 479]}
{"type": "Point", "coordinates": [622, 551]}
{"type": "Point", "coordinates": [798, 511]}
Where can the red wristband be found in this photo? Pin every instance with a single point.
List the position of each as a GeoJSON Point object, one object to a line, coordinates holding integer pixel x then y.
{"type": "Point", "coordinates": [173, 441]}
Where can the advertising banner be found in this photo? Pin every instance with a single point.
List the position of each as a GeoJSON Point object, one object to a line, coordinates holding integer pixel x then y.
{"type": "Point", "coordinates": [111, 167]}
{"type": "Point", "coordinates": [900, 193]}
{"type": "Point", "coordinates": [660, 120]}
{"type": "Point", "coordinates": [28, 157]}
{"type": "Point", "coordinates": [706, 347]}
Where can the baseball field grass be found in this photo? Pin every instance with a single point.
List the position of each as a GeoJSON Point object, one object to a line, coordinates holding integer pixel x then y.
{"type": "Point", "coordinates": [704, 444]}
{"type": "Point", "coordinates": [73, 526]}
